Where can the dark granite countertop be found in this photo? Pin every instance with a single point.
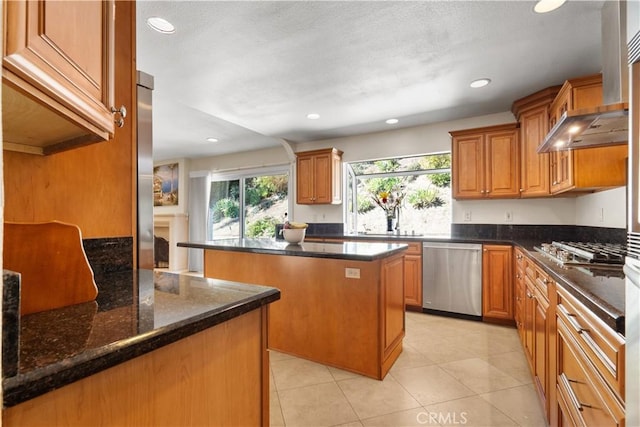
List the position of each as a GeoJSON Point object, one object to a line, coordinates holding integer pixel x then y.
{"type": "Point", "coordinates": [603, 295]}
{"type": "Point", "coordinates": [135, 312]}
{"type": "Point", "coordinates": [356, 251]}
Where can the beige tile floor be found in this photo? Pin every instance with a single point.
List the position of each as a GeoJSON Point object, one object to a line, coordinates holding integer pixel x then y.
{"type": "Point", "coordinates": [451, 372]}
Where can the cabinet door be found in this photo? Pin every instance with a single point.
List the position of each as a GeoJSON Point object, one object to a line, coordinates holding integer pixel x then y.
{"type": "Point", "coordinates": [529, 308]}
{"type": "Point", "coordinates": [61, 53]}
{"type": "Point", "coordinates": [468, 166]}
{"type": "Point", "coordinates": [304, 180]}
{"type": "Point", "coordinates": [336, 178]}
{"type": "Point", "coordinates": [561, 170]}
{"type": "Point", "coordinates": [501, 163]}
{"type": "Point", "coordinates": [497, 288]}
{"type": "Point", "coordinates": [323, 178]}
{"type": "Point", "coordinates": [541, 356]}
{"type": "Point", "coordinates": [534, 172]}
{"type": "Point", "coordinates": [413, 280]}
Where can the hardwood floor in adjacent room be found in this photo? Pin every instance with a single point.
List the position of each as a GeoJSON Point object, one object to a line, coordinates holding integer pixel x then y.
{"type": "Point", "coordinates": [451, 372]}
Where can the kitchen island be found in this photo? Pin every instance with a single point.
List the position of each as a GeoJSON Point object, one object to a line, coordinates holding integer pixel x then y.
{"type": "Point", "coordinates": [342, 304]}
{"type": "Point", "coordinates": [153, 349]}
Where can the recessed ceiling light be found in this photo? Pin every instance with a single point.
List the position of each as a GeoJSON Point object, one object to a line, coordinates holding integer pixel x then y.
{"type": "Point", "coordinates": [544, 6]}
{"type": "Point", "coordinates": [313, 116]}
{"type": "Point", "coordinates": [211, 139]}
{"type": "Point", "coordinates": [391, 121]}
{"type": "Point", "coordinates": [161, 25]}
{"type": "Point", "coordinates": [480, 83]}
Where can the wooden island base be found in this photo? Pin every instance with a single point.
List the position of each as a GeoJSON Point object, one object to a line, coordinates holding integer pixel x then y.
{"type": "Point", "coordinates": [351, 323]}
{"type": "Point", "coordinates": [217, 377]}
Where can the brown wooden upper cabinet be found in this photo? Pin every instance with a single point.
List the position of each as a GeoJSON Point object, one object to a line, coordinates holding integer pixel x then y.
{"type": "Point", "coordinates": [319, 177]}
{"type": "Point", "coordinates": [58, 69]}
{"type": "Point", "coordinates": [485, 162]}
{"type": "Point", "coordinates": [590, 169]}
{"type": "Point", "coordinates": [532, 113]}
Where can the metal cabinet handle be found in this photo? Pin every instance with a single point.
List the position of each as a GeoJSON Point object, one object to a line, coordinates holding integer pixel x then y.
{"type": "Point", "coordinates": [529, 295]}
{"type": "Point", "coordinates": [584, 333]}
{"type": "Point", "coordinates": [521, 190]}
{"type": "Point", "coordinates": [119, 115]}
{"type": "Point", "coordinates": [545, 281]}
{"type": "Point", "coordinates": [566, 382]}
{"type": "Point", "coordinates": [554, 183]}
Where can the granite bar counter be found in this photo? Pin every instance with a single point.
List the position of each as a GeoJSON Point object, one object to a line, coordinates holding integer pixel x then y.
{"type": "Point", "coordinates": [355, 251]}
{"type": "Point", "coordinates": [107, 352]}
{"type": "Point", "coordinates": [342, 303]}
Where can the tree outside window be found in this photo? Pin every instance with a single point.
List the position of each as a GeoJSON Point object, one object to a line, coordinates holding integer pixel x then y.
{"type": "Point", "coordinates": [424, 185]}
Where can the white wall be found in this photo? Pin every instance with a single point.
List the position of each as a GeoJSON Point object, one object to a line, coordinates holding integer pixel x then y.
{"type": "Point", "coordinates": [584, 210]}
{"type": "Point", "coordinates": [560, 211]}
{"type": "Point", "coordinates": [244, 160]}
{"type": "Point", "coordinates": [603, 209]}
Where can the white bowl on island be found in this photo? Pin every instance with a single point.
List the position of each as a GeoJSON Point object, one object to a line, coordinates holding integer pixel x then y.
{"type": "Point", "coordinates": [294, 235]}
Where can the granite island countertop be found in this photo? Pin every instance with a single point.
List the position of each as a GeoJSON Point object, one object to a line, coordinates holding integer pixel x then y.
{"type": "Point", "coordinates": [356, 251]}
{"type": "Point", "coordinates": [136, 312]}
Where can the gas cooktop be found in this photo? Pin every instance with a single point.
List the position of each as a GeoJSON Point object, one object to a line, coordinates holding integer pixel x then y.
{"type": "Point", "coordinates": [595, 259]}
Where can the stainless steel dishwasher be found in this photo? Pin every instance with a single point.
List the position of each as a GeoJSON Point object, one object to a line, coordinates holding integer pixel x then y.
{"type": "Point", "coordinates": [452, 279]}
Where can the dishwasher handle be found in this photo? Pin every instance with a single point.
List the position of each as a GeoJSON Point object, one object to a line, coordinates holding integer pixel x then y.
{"type": "Point", "coordinates": [459, 247]}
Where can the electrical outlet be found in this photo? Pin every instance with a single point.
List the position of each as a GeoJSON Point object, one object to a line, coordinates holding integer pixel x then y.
{"type": "Point", "coordinates": [352, 273]}
{"type": "Point", "coordinates": [601, 215]}
{"type": "Point", "coordinates": [467, 216]}
{"type": "Point", "coordinates": [508, 216]}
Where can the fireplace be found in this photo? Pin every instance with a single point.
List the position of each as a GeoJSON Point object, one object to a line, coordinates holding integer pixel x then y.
{"type": "Point", "coordinates": [168, 230]}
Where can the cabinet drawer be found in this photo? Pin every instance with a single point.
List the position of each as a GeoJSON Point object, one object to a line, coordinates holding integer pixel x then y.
{"type": "Point", "coordinates": [520, 258]}
{"type": "Point", "coordinates": [584, 399]}
{"type": "Point", "coordinates": [530, 270]}
{"type": "Point", "coordinates": [542, 281]}
{"type": "Point", "coordinates": [414, 248]}
{"type": "Point", "coordinates": [323, 240]}
{"type": "Point", "coordinates": [604, 347]}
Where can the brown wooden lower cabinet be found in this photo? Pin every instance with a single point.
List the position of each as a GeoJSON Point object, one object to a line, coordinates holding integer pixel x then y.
{"type": "Point", "coordinates": [583, 399]}
{"type": "Point", "coordinates": [352, 323]}
{"type": "Point", "coordinates": [217, 377]}
{"type": "Point", "coordinates": [577, 361]}
{"type": "Point", "coordinates": [413, 276]}
{"type": "Point", "coordinates": [497, 283]}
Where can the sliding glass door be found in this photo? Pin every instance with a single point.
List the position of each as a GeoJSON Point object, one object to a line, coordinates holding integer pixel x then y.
{"type": "Point", "coordinates": [248, 205]}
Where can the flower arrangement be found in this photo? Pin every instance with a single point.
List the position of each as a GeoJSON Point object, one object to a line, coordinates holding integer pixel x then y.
{"type": "Point", "coordinates": [388, 201]}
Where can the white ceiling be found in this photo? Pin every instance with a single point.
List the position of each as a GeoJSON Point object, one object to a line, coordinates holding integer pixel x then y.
{"type": "Point", "coordinates": [248, 72]}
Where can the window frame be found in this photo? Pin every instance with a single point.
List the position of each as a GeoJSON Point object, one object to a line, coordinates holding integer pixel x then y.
{"type": "Point", "coordinates": [350, 172]}
{"type": "Point", "coordinates": [242, 175]}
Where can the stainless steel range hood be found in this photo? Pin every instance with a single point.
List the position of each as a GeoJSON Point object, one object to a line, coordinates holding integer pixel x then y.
{"type": "Point", "coordinates": [607, 124]}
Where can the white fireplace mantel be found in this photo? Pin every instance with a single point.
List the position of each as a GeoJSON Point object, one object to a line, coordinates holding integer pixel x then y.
{"type": "Point", "coordinates": [174, 228]}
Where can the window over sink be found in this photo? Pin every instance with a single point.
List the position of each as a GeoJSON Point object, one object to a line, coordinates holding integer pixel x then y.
{"type": "Point", "coordinates": [407, 195]}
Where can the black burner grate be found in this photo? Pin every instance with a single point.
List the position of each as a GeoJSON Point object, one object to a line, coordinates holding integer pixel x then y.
{"type": "Point", "coordinates": [607, 253]}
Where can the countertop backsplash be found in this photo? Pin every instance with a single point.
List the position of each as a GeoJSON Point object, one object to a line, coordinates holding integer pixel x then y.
{"type": "Point", "coordinates": [540, 233]}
